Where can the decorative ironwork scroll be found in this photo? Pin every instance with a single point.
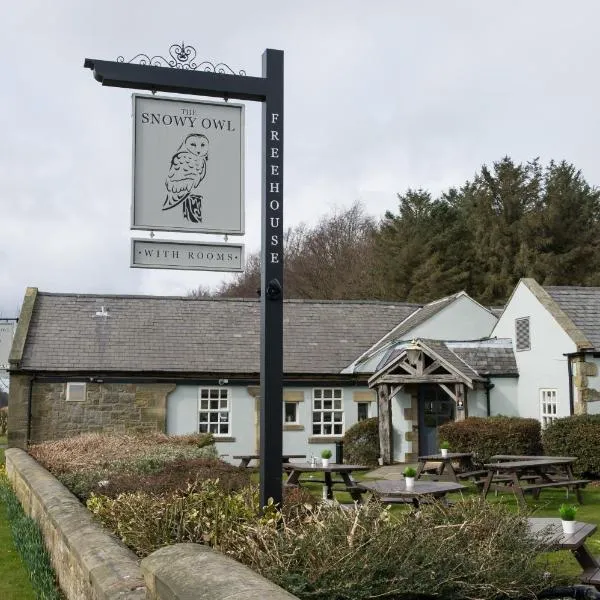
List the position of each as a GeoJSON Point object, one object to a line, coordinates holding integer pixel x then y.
{"type": "Point", "coordinates": [182, 56]}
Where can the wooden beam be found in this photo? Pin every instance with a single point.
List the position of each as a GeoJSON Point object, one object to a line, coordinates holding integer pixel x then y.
{"type": "Point", "coordinates": [395, 389]}
{"type": "Point", "coordinates": [385, 424]}
{"type": "Point", "coordinates": [432, 367]}
{"type": "Point", "coordinates": [417, 379]}
{"type": "Point", "coordinates": [448, 391]}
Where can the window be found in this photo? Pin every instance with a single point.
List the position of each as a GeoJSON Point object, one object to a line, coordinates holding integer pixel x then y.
{"type": "Point", "coordinates": [328, 412]}
{"type": "Point", "coordinates": [522, 334]}
{"type": "Point", "coordinates": [363, 410]}
{"type": "Point", "coordinates": [549, 404]}
{"type": "Point", "coordinates": [290, 412]}
{"type": "Point", "coordinates": [215, 413]}
{"type": "Point", "coordinates": [75, 391]}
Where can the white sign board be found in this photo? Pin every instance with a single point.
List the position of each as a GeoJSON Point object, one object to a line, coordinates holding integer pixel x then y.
{"type": "Point", "coordinates": [7, 331]}
{"type": "Point", "coordinates": [188, 165]}
{"type": "Point", "coordinates": [171, 254]}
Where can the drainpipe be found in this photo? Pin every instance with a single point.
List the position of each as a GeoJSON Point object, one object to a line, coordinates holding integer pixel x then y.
{"type": "Point", "coordinates": [488, 385]}
{"type": "Point", "coordinates": [571, 398]}
{"type": "Point", "coordinates": [29, 409]}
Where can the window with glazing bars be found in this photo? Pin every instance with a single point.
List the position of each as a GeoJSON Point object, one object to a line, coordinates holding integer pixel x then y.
{"type": "Point", "coordinates": [214, 414]}
{"type": "Point", "coordinates": [328, 411]}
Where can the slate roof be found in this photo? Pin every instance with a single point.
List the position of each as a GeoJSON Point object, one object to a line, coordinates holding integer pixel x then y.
{"type": "Point", "coordinates": [186, 335]}
{"type": "Point", "coordinates": [487, 357]}
{"type": "Point", "coordinates": [582, 306]}
{"type": "Point", "coordinates": [476, 359]}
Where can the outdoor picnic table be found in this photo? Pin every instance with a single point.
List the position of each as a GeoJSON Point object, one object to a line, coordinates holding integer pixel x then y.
{"type": "Point", "coordinates": [575, 542]}
{"type": "Point", "coordinates": [294, 471]}
{"type": "Point", "coordinates": [464, 459]}
{"type": "Point", "coordinates": [513, 475]}
{"type": "Point", "coordinates": [245, 459]}
{"type": "Point", "coordinates": [503, 457]}
{"type": "Point", "coordinates": [394, 490]}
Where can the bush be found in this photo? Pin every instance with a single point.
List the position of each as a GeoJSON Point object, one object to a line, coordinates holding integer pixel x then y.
{"type": "Point", "coordinates": [96, 451]}
{"type": "Point", "coordinates": [493, 435]}
{"type": "Point", "coordinates": [3, 420]}
{"type": "Point", "coordinates": [361, 443]}
{"type": "Point", "coordinates": [473, 550]}
{"type": "Point", "coordinates": [201, 514]}
{"type": "Point", "coordinates": [578, 436]}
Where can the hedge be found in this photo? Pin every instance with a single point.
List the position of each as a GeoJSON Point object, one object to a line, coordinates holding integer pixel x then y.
{"type": "Point", "coordinates": [486, 436]}
{"type": "Point", "coordinates": [578, 436]}
{"type": "Point", "coordinates": [361, 443]}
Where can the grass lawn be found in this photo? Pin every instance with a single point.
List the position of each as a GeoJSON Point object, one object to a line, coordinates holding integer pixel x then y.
{"type": "Point", "coordinates": [14, 578]}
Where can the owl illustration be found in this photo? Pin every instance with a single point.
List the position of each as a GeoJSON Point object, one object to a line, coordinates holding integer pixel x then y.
{"type": "Point", "coordinates": [187, 170]}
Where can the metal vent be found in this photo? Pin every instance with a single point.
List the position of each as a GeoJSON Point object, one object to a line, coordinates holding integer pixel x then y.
{"type": "Point", "coordinates": [522, 334]}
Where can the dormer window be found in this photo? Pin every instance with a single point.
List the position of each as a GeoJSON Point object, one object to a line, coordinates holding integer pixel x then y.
{"type": "Point", "coordinates": [522, 337]}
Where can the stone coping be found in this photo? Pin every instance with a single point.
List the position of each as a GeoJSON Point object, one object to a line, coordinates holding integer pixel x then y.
{"type": "Point", "coordinates": [92, 564]}
{"type": "Point", "coordinates": [89, 562]}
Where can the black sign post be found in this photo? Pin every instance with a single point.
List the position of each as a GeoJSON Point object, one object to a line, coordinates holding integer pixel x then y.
{"type": "Point", "coordinates": [180, 74]}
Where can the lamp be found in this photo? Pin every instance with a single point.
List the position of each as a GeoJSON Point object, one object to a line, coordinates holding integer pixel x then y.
{"type": "Point", "coordinates": [413, 351]}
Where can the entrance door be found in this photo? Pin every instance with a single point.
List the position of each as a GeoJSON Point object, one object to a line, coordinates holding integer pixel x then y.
{"type": "Point", "coordinates": [435, 409]}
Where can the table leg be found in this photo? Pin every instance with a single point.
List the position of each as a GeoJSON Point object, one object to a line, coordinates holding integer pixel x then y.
{"type": "Point", "coordinates": [585, 558]}
{"type": "Point", "coordinates": [420, 467]}
{"type": "Point", "coordinates": [451, 472]}
{"type": "Point", "coordinates": [570, 476]}
{"type": "Point", "coordinates": [516, 484]}
{"type": "Point", "coordinates": [351, 487]}
{"type": "Point", "coordinates": [245, 462]}
{"type": "Point", "coordinates": [329, 485]}
{"type": "Point", "coordinates": [487, 484]}
{"type": "Point", "coordinates": [293, 478]}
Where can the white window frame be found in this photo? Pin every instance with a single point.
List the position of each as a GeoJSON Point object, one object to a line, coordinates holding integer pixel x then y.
{"type": "Point", "coordinates": [322, 398]}
{"type": "Point", "coordinates": [71, 386]}
{"type": "Point", "coordinates": [358, 420]}
{"type": "Point", "coordinates": [204, 407]}
{"type": "Point", "coordinates": [296, 420]}
{"type": "Point", "coordinates": [548, 406]}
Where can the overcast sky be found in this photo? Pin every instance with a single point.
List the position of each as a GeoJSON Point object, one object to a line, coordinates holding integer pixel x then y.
{"type": "Point", "coordinates": [380, 96]}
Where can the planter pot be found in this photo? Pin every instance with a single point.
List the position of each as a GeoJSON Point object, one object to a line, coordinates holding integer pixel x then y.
{"type": "Point", "coordinates": [380, 461]}
{"type": "Point", "coordinates": [568, 527]}
{"type": "Point", "coordinates": [444, 451]}
{"type": "Point", "coordinates": [410, 483]}
{"type": "Point", "coordinates": [325, 462]}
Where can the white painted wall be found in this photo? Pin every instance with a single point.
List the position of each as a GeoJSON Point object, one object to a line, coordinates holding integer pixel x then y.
{"type": "Point", "coordinates": [463, 319]}
{"type": "Point", "coordinates": [182, 417]}
{"type": "Point", "coordinates": [476, 403]}
{"type": "Point", "coordinates": [544, 366]}
{"type": "Point", "coordinates": [504, 397]}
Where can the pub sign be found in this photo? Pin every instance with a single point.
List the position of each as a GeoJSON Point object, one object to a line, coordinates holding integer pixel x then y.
{"type": "Point", "coordinates": [188, 165]}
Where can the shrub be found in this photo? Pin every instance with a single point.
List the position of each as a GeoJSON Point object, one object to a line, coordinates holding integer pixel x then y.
{"type": "Point", "coordinates": [578, 436]}
{"type": "Point", "coordinates": [361, 443]}
{"type": "Point", "coordinates": [168, 477]}
{"type": "Point", "coordinates": [473, 550]}
{"type": "Point", "coordinates": [493, 435]}
{"type": "Point", "coordinates": [3, 420]}
{"type": "Point", "coordinates": [326, 453]}
{"type": "Point", "coordinates": [567, 512]}
{"type": "Point", "coordinates": [409, 472]}
{"type": "Point", "coordinates": [201, 514]}
{"type": "Point", "coordinates": [96, 451]}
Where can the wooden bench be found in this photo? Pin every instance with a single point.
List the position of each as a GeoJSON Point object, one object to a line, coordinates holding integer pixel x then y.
{"type": "Point", "coordinates": [576, 483]}
{"type": "Point", "coordinates": [503, 479]}
{"type": "Point", "coordinates": [470, 474]}
{"type": "Point", "coordinates": [591, 576]}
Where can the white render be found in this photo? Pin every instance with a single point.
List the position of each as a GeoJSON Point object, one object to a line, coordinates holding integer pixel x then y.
{"type": "Point", "coordinates": [544, 366]}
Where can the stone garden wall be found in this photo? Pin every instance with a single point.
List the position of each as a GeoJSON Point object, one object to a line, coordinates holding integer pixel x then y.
{"type": "Point", "coordinates": [92, 564]}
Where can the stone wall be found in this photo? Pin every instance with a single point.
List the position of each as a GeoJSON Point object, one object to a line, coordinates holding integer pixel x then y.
{"type": "Point", "coordinates": [107, 407]}
{"type": "Point", "coordinates": [92, 564]}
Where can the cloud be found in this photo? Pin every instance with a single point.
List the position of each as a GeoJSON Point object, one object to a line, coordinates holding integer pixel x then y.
{"type": "Point", "coordinates": [379, 98]}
